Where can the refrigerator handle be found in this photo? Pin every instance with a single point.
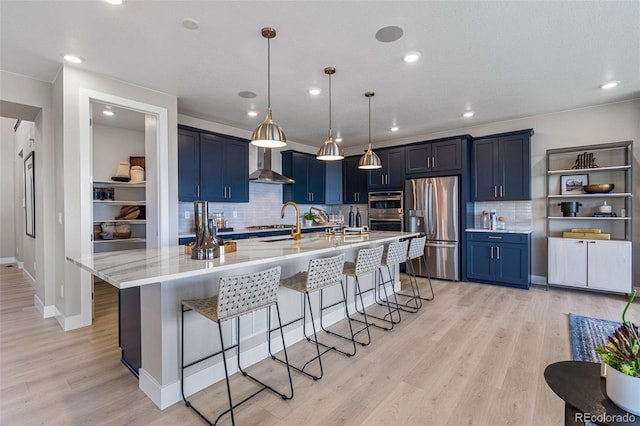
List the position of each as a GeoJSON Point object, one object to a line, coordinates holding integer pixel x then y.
{"type": "Point", "coordinates": [430, 208]}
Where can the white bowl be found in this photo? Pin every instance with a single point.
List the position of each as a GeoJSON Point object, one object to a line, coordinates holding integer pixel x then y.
{"type": "Point", "coordinates": [604, 209]}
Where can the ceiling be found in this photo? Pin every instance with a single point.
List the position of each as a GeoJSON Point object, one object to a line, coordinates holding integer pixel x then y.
{"type": "Point", "coordinates": [503, 60]}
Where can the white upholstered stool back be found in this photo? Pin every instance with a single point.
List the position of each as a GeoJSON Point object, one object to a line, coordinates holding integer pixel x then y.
{"type": "Point", "coordinates": [416, 247]}
{"type": "Point", "coordinates": [367, 261]}
{"type": "Point", "coordinates": [395, 252]}
{"type": "Point", "coordinates": [240, 294]}
{"type": "Point", "coordinates": [324, 272]}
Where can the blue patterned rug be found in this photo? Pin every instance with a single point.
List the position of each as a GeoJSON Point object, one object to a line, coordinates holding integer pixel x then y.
{"type": "Point", "coordinates": [587, 334]}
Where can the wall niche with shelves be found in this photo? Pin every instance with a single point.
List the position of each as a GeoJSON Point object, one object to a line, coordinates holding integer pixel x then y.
{"type": "Point", "coordinates": [598, 238]}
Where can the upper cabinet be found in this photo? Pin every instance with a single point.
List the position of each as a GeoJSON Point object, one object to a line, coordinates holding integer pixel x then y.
{"type": "Point", "coordinates": [391, 175]}
{"type": "Point", "coordinates": [333, 183]}
{"type": "Point", "coordinates": [501, 167]}
{"type": "Point", "coordinates": [435, 157]}
{"type": "Point", "coordinates": [212, 167]}
{"type": "Point", "coordinates": [309, 176]}
{"type": "Point", "coordinates": [354, 181]}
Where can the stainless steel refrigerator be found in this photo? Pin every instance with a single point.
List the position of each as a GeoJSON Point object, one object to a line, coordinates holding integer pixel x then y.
{"type": "Point", "coordinates": [432, 206]}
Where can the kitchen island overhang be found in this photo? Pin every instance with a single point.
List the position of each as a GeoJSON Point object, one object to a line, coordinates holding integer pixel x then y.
{"type": "Point", "coordinates": [166, 275]}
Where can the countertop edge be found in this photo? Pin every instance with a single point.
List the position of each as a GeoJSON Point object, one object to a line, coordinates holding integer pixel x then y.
{"type": "Point", "coordinates": [501, 231]}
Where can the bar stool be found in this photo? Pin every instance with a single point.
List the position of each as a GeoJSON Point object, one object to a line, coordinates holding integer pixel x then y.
{"type": "Point", "coordinates": [367, 262]}
{"type": "Point", "coordinates": [416, 250]}
{"type": "Point", "coordinates": [394, 254]}
{"type": "Point", "coordinates": [237, 295]}
{"type": "Point", "coordinates": [322, 274]}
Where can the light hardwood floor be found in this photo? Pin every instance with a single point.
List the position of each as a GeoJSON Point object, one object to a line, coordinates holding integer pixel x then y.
{"type": "Point", "coordinates": [474, 356]}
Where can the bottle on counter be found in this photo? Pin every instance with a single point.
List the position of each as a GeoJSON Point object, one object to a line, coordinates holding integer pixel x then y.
{"type": "Point", "coordinates": [358, 218]}
{"type": "Point", "coordinates": [485, 219]}
{"type": "Point", "coordinates": [351, 217]}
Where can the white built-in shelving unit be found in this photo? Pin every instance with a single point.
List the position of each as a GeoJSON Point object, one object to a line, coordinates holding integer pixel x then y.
{"type": "Point", "coordinates": [589, 262]}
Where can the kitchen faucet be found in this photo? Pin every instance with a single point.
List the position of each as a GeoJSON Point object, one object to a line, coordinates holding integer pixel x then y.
{"type": "Point", "coordinates": [295, 233]}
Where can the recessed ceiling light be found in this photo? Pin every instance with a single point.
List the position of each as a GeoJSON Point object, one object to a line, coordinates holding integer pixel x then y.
{"type": "Point", "coordinates": [314, 91]}
{"type": "Point", "coordinates": [609, 85]}
{"type": "Point", "coordinates": [73, 59]}
{"type": "Point", "coordinates": [252, 113]}
{"type": "Point", "coordinates": [190, 24]}
{"type": "Point", "coordinates": [411, 57]}
{"type": "Point", "coordinates": [338, 140]}
{"type": "Point", "coordinates": [108, 112]}
{"type": "Point", "coordinates": [468, 114]}
{"type": "Point", "coordinates": [394, 128]}
{"type": "Point", "coordinates": [116, 2]}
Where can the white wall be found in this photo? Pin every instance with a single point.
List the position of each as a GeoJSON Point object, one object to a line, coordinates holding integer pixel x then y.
{"type": "Point", "coordinates": [587, 126]}
{"type": "Point", "coordinates": [111, 145]}
{"type": "Point", "coordinates": [37, 95]}
{"type": "Point", "coordinates": [7, 192]}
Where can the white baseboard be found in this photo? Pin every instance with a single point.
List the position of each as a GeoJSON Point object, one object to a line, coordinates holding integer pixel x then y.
{"type": "Point", "coordinates": [45, 311]}
{"type": "Point", "coordinates": [8, 260]}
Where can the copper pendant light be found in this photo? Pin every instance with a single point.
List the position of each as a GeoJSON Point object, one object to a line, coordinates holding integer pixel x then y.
{"type": "Point", "coordinates": [268, 134]}
{"type": "Point", "coordinates": [330, 151]}
{"type": "Point", "coordinates": [369, 160]}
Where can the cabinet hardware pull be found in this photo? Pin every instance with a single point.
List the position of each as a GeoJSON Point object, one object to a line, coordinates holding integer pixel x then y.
{"type": "Point", "coordinates": [491, 253]}
{"type": "Point", "coordinates": [229, 192]}
{"type": "Point", "coordinates": [495, 192]}
{"type": "Point", "coordinates": [197, 191]}
{"type": "Point", "coordinates": [498, 253]}
{"type": "Point", "coordinates": [501, 191]}
{"type": "Point", "coordinates": [433, 162]}
{"type": "Point", "coordinates": [580, 242]}
{"type": "Point", "coordinates": [491, 237]}
{"type": "Point", "coordinates": [428, 162]}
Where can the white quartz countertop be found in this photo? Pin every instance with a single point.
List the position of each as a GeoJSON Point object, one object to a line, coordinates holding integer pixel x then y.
{"type": "Point", "coordinates": [508, 231]}
{"type": "Point", "coordinates": [134, 268]}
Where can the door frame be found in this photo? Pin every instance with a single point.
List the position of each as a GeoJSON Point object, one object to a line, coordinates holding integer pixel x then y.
{"type": "Point", "coordinates": [157, 163]}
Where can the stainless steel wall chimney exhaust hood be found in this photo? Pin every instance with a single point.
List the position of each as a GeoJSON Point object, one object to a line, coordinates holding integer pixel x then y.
{"type": "Point", "coordinates": [264, 174]}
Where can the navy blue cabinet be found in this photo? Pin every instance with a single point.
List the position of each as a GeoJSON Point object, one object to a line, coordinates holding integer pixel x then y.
{"type": "Point", "coordinates": [391, 175]}
{"type": "Point", "coordinates": [212, 167]}
{"type": "Point", "coordinates": [435, 157]}
{"type": "Point", "coordinates": [309, 176]}
{"type": "Point", "coordinates": [501, 167]}
{"type": "Point", "coordinates": [354, 181]}
{"type": "Point", "coordinates": [333, 182]}
{"type": "Point", "coordinates": [499, 258]}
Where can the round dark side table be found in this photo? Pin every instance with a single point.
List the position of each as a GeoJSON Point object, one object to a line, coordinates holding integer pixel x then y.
{"type": "Point", "coordinates": [580, 386]}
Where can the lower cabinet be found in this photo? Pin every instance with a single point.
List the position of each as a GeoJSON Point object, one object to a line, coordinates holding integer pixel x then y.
{"type": "Point", "coordinates": [590, 264]}
{"type": "Point", "coordinates": [129, 326]}
{"type": "Point", "coordinates": [499, 258]}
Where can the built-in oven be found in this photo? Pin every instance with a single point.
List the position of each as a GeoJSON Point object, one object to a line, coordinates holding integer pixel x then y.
{"type": "Point", "coordinates": [386, 211]}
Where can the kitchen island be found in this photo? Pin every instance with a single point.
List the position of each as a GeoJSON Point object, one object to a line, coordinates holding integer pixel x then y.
{"type": "Point", "coordinates": [166, 275]}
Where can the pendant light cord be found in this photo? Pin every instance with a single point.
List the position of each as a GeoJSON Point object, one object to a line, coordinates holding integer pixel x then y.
{"type": "Point", "coordinates": [369, 122]}
{"type": "Point", "coordinates": [269, 73]}
{"type": "Point", "coordinates": [329, 103]}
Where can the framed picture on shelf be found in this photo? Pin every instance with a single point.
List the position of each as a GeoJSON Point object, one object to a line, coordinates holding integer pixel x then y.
{"type": "Point", "coordinates": [572, 184]}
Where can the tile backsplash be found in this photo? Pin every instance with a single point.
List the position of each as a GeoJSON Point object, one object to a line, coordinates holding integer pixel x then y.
{"type": "Point", "coordinates": [517, 214]}
{"type": "Point", "coordinates": [263, 209]}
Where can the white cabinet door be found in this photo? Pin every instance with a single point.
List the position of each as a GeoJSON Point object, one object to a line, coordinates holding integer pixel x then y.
{"type": "Point", "coordinates": [609, 265]}
{"type": "Point", "coordinates": [567, 262]}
